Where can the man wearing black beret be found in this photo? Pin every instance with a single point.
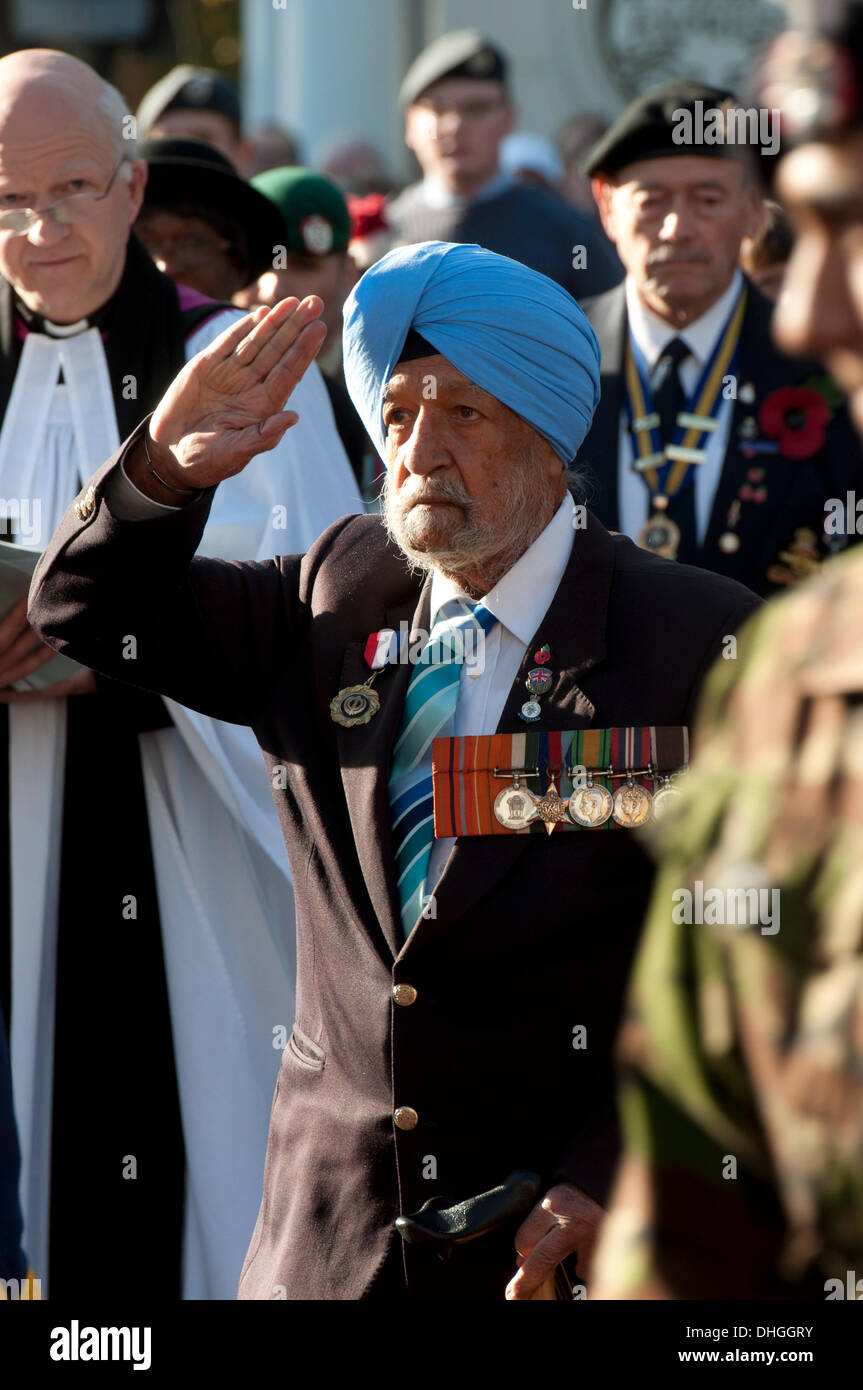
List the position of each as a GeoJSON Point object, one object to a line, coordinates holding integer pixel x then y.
{"type": "Point", "coordinates": [457, 110]}
{"type": "Point", "coordinates": [191, 103]}
{"type": "Point", "coordinates": [709, 445]}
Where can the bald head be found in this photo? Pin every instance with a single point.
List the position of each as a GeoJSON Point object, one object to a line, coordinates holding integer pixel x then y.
{"type": "Point", "coordinates": [62, 133]}
{"type": "Point", "coordinates": [42, 89]}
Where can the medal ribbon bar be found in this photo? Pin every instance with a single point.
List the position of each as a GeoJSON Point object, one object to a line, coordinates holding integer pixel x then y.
{"type": "Point", "coordinates": [465, 785]}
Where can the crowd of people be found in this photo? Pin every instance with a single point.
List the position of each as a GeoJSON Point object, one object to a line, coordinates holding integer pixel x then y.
{"type": "Point", "coordinates": [295, 435]}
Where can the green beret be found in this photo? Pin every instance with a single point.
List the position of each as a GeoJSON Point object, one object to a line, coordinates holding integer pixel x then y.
{"type": "Point", "coordinates": [315, 213]}
{"type": "Point", "coordinates": [647, 127]}
{"type": "Point", "coordinates": [462, 53]}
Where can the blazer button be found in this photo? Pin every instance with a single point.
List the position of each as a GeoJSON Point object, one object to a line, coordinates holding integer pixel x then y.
{"type": "Point", "coordinates": [405, 1118]}
{"type": "Point", "coordinates": [404, 994]}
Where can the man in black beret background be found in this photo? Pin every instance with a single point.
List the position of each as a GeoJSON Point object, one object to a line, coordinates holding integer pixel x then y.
{"type": "Point", "coordinates": [193, 103]}
{"type": "Point", "coordinates": [709, 444]}
{"type": "Point", "coordinates": [457, 111]}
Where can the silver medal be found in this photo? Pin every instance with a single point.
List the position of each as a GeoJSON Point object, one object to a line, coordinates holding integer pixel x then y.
{"type": "Point", "coordinates": [515, 807]}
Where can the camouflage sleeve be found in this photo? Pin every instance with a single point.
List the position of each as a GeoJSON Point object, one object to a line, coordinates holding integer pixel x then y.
{"type": "Point", "coordinates": [742, 1047]}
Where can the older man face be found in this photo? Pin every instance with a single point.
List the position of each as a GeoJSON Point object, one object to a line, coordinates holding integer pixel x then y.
{"type": "Point", "coordinates": [677, 224]}
{"type": "Point", "coordinates": [469, 485]}
{"type": "Point", "coordinates": [55, 142]}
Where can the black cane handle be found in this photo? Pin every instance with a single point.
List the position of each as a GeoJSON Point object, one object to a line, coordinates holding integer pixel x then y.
{"type": "Point", "coordinates": [441, 1223]}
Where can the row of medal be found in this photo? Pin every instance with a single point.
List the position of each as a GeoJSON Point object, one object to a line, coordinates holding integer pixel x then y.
{"type": "Point", "coordinates": [590, 805]}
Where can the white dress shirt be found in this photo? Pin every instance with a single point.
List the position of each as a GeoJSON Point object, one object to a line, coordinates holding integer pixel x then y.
{"type": "Point", "coordinates": [519, 601]}
{"type": "Point", "coordinates": [651, 335]}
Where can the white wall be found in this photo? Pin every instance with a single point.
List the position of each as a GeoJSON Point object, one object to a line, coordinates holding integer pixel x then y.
{"type": "Point", "coordinates": [330, 67]}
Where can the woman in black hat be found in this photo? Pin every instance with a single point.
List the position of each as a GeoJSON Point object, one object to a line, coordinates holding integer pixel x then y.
{"type": "Point", "coordinates": [203, 225]}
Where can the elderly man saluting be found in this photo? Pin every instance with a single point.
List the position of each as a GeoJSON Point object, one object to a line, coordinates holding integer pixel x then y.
{"type": "Point", "coordinates": [469, 890]}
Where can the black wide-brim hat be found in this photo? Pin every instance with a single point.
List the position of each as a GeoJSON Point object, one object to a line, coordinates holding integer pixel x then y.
{"type": "Point", "coordinates": [188, 171]}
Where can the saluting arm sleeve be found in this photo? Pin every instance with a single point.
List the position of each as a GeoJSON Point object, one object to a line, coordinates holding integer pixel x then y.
{"type": "Point", "coordinates": [129, 600]}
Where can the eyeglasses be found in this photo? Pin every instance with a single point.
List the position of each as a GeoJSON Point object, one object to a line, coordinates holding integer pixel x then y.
{"type": "Point", "coordinates": [78, 207]}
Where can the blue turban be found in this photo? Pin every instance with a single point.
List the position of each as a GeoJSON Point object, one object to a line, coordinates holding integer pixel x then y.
{"type": "Point", "coordinates": [510, 330]}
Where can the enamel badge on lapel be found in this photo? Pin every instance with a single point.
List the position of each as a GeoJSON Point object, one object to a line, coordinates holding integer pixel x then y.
{"type": "Point", "coordinates": [538, 682]}
{"type": "Point", "coordinates": [357, 704]}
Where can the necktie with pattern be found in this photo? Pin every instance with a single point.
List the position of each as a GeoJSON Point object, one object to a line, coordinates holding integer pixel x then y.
{"type": "Point", "coordinates": [429, 708]}
{"type": "Point", "coordinates": [669, 398]}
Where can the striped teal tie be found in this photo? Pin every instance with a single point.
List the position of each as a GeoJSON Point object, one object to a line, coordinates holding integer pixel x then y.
{"type": "Point", "coordinates": [429, 707]}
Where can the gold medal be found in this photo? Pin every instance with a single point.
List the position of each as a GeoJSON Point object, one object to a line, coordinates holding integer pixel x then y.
{"type": "Point", "coordinates": [551, 809]}
{"type": "Point", "coordinates": [356, 704]}
{"type": "Point", "coordinates": [515, 806]}
{"type": "Point", "coordinates": [590, 805]}
{"type": "Point", "coordinates": [661, 535]}
{"type": "Point", "coordinates": [632, 804]}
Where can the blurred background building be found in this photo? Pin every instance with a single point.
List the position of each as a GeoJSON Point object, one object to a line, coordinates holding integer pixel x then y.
{"type": "Point", "coordinates": [329, 70]}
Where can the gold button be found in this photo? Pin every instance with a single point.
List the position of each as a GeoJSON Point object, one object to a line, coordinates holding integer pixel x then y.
{"type": "Point", "coordinates": [406, 1118]}
{"type": "Point", "coordinates": [404, 994]}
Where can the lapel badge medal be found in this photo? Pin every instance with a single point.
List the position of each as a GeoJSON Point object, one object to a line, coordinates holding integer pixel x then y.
{"type": "Point", "coordinates": [357, 704]}
{"type": "Point", "coordinates": [538, 683]}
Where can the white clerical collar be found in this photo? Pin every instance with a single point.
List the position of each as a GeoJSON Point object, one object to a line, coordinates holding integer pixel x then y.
{"type": "Point", "coordinates": [64, 330]}
{"type": "Point", "coordinates": [651, 334]}
{"type": "Point", "coordinates": [438, 196]}
{"type": "Point", "coordinates": [523, 596]}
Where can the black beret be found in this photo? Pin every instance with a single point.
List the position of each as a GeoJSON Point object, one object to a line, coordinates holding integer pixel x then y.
{"type": "Point", "coordinates": [647, 127]}
{"type": "Point", "coordinates": [188, 88]}
{"type": "Point", "coordinates": [463, 53]}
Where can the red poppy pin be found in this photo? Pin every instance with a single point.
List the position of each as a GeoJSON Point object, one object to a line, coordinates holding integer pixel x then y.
{"type": "Point", "coordinates": [797, 418]}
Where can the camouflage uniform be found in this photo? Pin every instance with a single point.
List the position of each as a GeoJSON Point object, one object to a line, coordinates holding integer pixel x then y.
{"type": "Point", "coordinates": [739, 1043]}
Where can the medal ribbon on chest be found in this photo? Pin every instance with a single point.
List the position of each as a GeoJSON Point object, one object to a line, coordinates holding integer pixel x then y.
{"type": "Point", "coordinates": [563, 780]}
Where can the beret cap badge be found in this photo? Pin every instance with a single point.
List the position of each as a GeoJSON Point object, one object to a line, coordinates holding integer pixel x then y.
{"type": "Point", "coordinates": [317, 234]}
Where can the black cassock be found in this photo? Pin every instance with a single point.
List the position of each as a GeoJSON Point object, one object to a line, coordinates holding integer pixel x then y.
{"type": "Point", "coordinates": [115, 1087]}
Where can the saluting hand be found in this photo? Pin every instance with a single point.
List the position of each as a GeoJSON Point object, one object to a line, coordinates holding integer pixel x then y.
{"type": "Point", "coordinates": [225, 406]}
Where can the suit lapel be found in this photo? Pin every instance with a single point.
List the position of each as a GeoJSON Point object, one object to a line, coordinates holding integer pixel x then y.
{"type": "Point", "coordinates": [575, 632]}
{"type": "Point", "coordinates": [599, 452]}
{"type": "Point", "coordinates": [365, 754]}
{"type": "Point", "coordinates": [762, 365]}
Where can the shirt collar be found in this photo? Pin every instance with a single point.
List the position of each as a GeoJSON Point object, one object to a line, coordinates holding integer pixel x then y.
{"type": "Point", "coordinates": [651, 334]}
{"type": "Point", "coordinates": [523, 596]}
